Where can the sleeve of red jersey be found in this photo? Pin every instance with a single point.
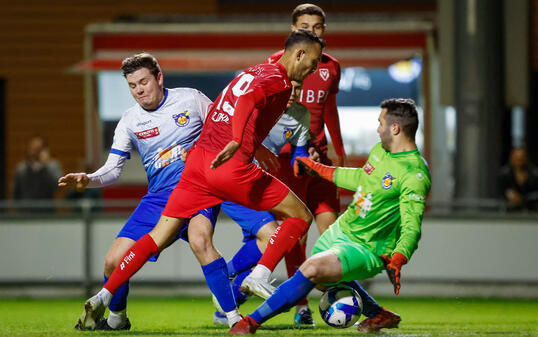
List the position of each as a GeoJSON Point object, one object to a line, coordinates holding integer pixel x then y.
{"type": "Point", "coordinates": [253, 98]}
{"type": "Point", "coordinates": [330, 112]}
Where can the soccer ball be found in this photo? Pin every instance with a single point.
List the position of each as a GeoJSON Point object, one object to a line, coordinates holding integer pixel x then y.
{"type": "Point", "coordinates": [340, 306]}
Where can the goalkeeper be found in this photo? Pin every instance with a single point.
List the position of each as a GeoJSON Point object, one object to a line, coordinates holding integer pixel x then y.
{"type": "Point", "coordinates": [379, 230]}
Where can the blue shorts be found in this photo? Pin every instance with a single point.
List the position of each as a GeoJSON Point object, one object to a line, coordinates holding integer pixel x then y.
{"type": "Point", "coordinates": [148, 212]}
{"type": "Point", "coordinates": [248, 219]}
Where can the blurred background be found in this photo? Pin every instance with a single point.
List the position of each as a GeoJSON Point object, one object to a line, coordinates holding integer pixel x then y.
{"type": "Point", "coordinates": [471, 66]}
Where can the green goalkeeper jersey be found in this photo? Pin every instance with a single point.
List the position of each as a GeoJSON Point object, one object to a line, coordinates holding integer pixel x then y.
{"type": "Point", "coordinates": [388, 205]}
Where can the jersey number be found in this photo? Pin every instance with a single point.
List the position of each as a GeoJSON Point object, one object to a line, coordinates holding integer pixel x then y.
{"type": "Point", "coordinates": [240, 87]}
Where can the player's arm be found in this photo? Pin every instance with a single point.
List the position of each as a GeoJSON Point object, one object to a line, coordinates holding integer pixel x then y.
{"type": "Point", "coordinates": [300, 140]}
{"type": "Point", "coordinates": [415, 187]}
{"type": "Point", "coordinates": [345, 177]}
{"type": "Point", "coordinates": [110, 171]}
{"type": "Point", "coordinates": [244, 106]}
{"type": "Point", "coordinates": [330, 113]}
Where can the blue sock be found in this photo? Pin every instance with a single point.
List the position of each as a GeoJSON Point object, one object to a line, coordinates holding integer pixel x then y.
{"type": "Point", "coordinates": [216, 276]}
{"type": "Point", "coordinates": [119, 300]}
{"type": "Point", "coordinates": [285, 297]}
{"type": "Point", "coordinates": [370, 308]}
{"type": "Point", "coordinates": [247, 257]}
{"type": "Point", "coordinates": [240, 298]}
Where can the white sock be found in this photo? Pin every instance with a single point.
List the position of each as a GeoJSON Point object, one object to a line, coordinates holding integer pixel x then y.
{"type": "Point", "coordinates": [261, 272]}
{"type": "Point", "coordinates": [233, 317]}
{"type": "Point", "coordinates": [117, 319]}
{"type": "Point", "coordinates": [104, 296]}
{"type": "Point", "coordinates": [298, 308]}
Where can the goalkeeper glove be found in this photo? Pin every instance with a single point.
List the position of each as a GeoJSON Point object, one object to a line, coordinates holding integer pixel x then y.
{"type": "Point", "coordinates": [304, 165]}
{"type": "Point", "coordinates": [393, 266]}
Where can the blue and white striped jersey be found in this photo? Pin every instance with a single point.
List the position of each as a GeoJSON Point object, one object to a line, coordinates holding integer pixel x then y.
{"type": "Point", "coordinates": [160, 134]}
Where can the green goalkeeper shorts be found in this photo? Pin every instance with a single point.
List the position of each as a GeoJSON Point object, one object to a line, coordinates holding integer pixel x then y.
{"type": "Point", "coordinates": [358, 263]}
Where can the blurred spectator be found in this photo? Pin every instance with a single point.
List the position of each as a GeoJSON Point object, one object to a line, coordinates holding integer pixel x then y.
{"type": "Point", "coordinates": [518, 181]}
{"type": "Point", "coordinates": [36, 178]}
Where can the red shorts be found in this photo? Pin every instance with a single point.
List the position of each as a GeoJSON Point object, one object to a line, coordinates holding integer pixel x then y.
{"type": "Point", "coordinates": [318, 194]}
{"type": "Point", "coordinates": [243, 183]}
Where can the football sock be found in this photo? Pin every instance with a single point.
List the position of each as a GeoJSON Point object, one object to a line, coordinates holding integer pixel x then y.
{"type": "Point", "coordinates": [216, 276]}
{"type": "Point", "coordinates": [233, 317]}
{"type": "Point", "coordinates": [117, 319]}
{"type": "Point", "coordinates": [283, 240]}
{"type": "Point", "coordinates": [240, 298]}
{"type": "Point", "coordinates": [300, 307]}
{"type": "Point", "coordinates": [284, 297]}
{"type": "Point", "coordinates": [133, 260]}
{"type": "Point", "coordinates": [261, 272]}
{"type": "Point", "coordinates": [246, 258]}
{"type": "Point", "coordinates": [119, 300]}
{"type": "Point", "coordinates": [104, 296]}
{"type": "Point", "coordinates": [370, 308]}
{"type": "Point", "coordinates": [294, 259]}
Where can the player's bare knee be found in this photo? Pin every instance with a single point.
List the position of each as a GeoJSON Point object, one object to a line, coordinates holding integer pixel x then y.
{"type": "Point", "coordinates": [200, 244]}
{"type": "Point", "coordinates": [310, 269]}
{"type": "Point", "coordinates": [111, 261]}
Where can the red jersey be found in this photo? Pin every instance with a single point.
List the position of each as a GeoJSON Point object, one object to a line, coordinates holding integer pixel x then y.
{"type": "Point", "coordinates": [319, 96]}
{"type": "Point", "coordinates": [273, 81]}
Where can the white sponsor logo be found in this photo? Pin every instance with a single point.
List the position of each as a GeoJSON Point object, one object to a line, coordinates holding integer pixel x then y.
{"type": "Point", "coordinates": [127, 259]}
{"type": "Point", "coordinates": [324, 73]}
{"type": "Point", "coordinates": [220, 117]}
{"type": "Point", "coordinates": [417, 197]}
{"type": "Point", "coordinates": [310, 96]}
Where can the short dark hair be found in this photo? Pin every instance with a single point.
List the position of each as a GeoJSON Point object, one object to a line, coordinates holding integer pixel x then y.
{"type": "Point", "coordinates": [403, 112]}
{"type": "Point", "coordinates": [309, 9]}
{"type": "Point", "coordinates": [303, 36]}
{"type": "Point", "coordinates": [142, 60]}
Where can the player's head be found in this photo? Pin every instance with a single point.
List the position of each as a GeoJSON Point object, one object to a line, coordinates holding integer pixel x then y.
{"type": "Point", "coordinates": [302, 54]}
{"type": "Point", "coordinates": [398, 119]}
{"type": "Point", "coordinates": [295, 92]}
{"type": "Point", "coordinates": [145, 79]}
{"type": "Point", "coordinates": [310, 17]}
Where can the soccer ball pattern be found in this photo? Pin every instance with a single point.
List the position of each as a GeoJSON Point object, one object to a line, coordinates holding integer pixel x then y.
{"type": "Point", "coordinates": [340, 306]}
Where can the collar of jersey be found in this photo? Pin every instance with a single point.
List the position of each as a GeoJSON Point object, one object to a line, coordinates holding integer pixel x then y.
{"type": "Point", "coordinates": [160, 105]}
{"type": "Point", "coordinates": [404, 153]}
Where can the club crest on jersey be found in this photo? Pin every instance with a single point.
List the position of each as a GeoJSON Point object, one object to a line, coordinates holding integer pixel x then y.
{"type": "Point", "coordinates": [368, 168]}
{"type": "Point", "coordinates": [182, 119]}
{"type": "Point", "coordinates": [324, 73]}
{"type": "Point", "coordinates": [288, 133]}
{"type": "Point", "coordinates": [387, 181]}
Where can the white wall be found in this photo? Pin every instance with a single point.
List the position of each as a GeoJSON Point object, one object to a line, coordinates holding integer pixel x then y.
{"type": "Point", "coordinates": [450, 250]}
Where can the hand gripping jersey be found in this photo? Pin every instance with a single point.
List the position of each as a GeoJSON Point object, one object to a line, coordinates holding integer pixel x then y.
{"type": "Point", "coordinates": [292, 127]}
{"type": "Point", "coordinates": [269, 79]}
{"type": "Point", "coordinates": [158, 136]}
{"type": "Point", "coordinates": [386, 213]}
{"type": "Point", "coordinates": [319, 97]}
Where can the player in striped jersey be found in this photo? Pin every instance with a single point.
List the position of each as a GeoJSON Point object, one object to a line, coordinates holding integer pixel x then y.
{"type": "Point", "coordinates": [161, 124]}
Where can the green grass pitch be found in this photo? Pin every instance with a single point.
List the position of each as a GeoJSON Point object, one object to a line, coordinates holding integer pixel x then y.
{"type": "Point", "coordinates": [191, 316]}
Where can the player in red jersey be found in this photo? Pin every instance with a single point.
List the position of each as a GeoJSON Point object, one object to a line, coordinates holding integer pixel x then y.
{"type": "Point", "coordinates": [319, 96]}
{"type": "Point", "coordinates": [220, 168]}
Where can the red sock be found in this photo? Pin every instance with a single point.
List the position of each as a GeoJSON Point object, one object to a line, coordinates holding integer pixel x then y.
{"type": "Point", "coordinates": [294, 259]}
{"type": "Point", "coordinates": [282, 241]}
{"type": "Point", "coordinates": [133, 260]}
